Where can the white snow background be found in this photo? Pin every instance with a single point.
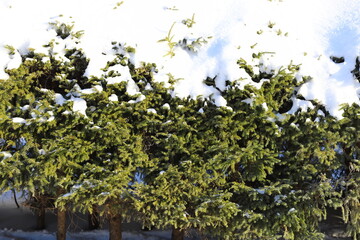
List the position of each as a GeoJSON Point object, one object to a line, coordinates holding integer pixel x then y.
{"type": "Point", "coordinates": [305, 32]}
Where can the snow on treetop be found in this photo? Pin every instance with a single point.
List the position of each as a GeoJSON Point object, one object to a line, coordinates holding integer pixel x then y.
{"type": "Point", "coordinates": [212, 36]}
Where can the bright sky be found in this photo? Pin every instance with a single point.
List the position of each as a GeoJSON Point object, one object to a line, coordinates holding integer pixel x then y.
{"type": "Point", "coordinates": [306, 32]}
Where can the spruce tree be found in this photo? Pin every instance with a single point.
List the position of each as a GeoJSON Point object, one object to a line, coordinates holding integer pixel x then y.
{"type": "Point", "coordinates": [106, 181]}
{"type": "Point", "coordinates": [348, 173]}
{"type": "Point", "coordinates": [47, 153]}
{"type": "Point", "coordinates": [309, 160]}
{"type": "Point", "coordinates": [249, 170]}
{"type": "Point", "coordinates": [180, 189]}
{"type": "Point", "coordinates": [244, 152]}
{"type": "Point", "coordinates": [277, 164]}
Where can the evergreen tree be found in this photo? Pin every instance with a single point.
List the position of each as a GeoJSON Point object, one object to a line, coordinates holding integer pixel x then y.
{"type": "Point", "coordinates": [348, 173]}
{"type": "Point", "coordinates": [244, 152]}
{"type": "Point", "coordinates": [178, 188]}
{"type": "Point", "coordinates": [48, 153]}
{"type": "Point", "coordinates": [106, 180]}
{"type": "Point", "coordinates": [246, 171]}
{"type": "Point", "coordinates": [277, 164]}
{"type": "Point", "coordinates": [309, 159]}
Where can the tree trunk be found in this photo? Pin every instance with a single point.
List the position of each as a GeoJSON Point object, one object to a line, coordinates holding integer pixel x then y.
{"type": "Point", "coordinates": [61, 225]}
{"type": "Point", "coordinates": [40, 202]}
{"type": "Point", "coordinates": [94, 219]}
{"type": "Point", "coordinates": [177, 234]}
{"type": "Point", "coordinates": [115, 227]}
{"type": "Point", "coordinates": [40, 218]}
{"type": "Point", "coordinates": [15, 198]}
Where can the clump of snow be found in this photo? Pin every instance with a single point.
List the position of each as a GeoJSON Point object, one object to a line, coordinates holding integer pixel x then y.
{"type": "Point", "coordinates": [148, 87]}
{"type": "Point", "coordinates": [59, 99]}
{"type": "Point", "coordinates": [113, 98]}
{"type": "Point", "coordinates": [220, 101]}
{"type": "Point", "coordinates": [123, 70]}
{"type": "Point", "coordinates": [51, 118]}
{"type": "Point", "coordinates": [248, 101]}
{"type": "Point", "coordinates": [15, 61]}
{"type": "Point", "coordinates": [79, 105]}
{"type": "Point", "coordinates": [25, 107]}
{"type": "Point", "coordinates": [291, 210]}
{"type": "Point", "coordinates": [19, 120]}
{"type": "Point", "coordinates": [66, 195]}
{"type": "Point", "coordinates": [151, 110]}
{"type": "Point", "coordinates": [87, 91]}
{"type": "Point", "coordinates": [138, 99]}
{"type": "Point", "coordinates": [42, 152]}
{"type": "Point", "coordinates": [132, 88]}
{"type": "Point", "coordinates": [5, 155]}
{"type": "Point", "coordinates": [166, 106]}
{"type": "Point", "coordinates": [66, 112]}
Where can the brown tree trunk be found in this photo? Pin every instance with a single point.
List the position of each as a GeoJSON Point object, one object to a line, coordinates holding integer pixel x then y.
{"type": "Point", "coordinates": [61, 225]}
{"type": "Point", "coordinates": [177, 234]}
{"type": "Point", "coordinates": [94, 219]}
{"type": "Point", "coordinates": [40, 204]}
{"type": "Point", "coordinates": [115, 227]}
{"type": "Point", "coordinates": [40, 218]}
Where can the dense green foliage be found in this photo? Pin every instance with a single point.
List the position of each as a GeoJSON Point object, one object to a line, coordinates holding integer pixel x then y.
{"type": "Point", "coordinates": [349, 179]}
{"type": "Point", "coordinates": [246, 171]}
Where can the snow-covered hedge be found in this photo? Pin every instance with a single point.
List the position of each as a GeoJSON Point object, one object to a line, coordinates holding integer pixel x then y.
{"type": "Point", "coordinates": [241, 153]}
{"type": "Point", "coordinates": [127, 147]}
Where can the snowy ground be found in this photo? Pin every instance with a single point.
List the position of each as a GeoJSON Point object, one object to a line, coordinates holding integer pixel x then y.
{"type": "Point", "coordinates": [19, 223]}
{"type": "Point", "coordinates": [93, 235]}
